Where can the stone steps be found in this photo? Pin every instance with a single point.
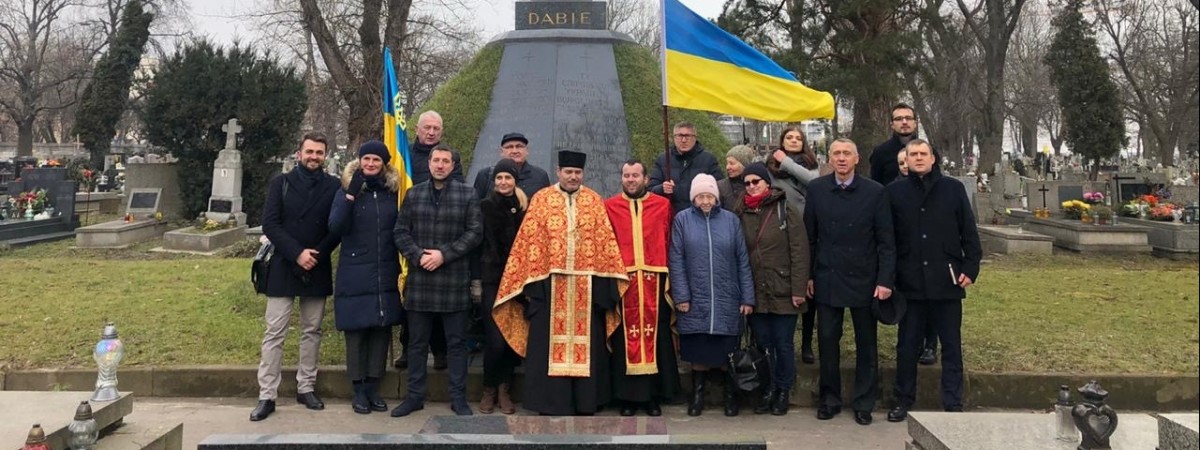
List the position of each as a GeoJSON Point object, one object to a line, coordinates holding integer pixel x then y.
{"type": "Point", "coordinates": [142, 436]}
{"type": "Point", "coordinates": [38, 239]}
{"type": "Point", "coordinates": [55, 410]}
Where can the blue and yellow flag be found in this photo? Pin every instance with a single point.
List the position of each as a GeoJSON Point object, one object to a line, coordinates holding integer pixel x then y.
{"type": "Point", "coordinates": [708, 69]}
{"type": "Point", "coordinates": [396, 138]}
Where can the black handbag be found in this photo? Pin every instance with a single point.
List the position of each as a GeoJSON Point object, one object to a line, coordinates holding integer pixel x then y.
{"type": "Point", "coordinates": [261, 267]}
{"type": "Point", "coordinates": [749, 365]}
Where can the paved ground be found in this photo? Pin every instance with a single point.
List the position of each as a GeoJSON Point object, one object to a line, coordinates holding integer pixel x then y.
{"type": "Point", "coordinates": [798, 430]}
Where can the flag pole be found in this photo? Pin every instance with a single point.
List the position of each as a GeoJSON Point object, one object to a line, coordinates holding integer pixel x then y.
{"type": "Point", "coordinates": [666, 144]}
{"type": "Point", "coordinates": [662, 17]}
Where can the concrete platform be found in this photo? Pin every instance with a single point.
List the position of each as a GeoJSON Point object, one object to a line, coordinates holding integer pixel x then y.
{"type": "Point", "coordinates": [1016, 431]}
{"type": "Point", "coordinates": [1008, 240]}
{"type": "Point", "coordinates": [1087, 238]}
{"type": "Point", "coordinates": [143, 436]}
{"type": "Point", "coordinates": [1169, 239]}
{"type": "Point", "coordinates": [118, 234]}
{"type": "Point", "coordinates": [1178, 431]}
{"type": "Point", "coordinates": [54, 411]}
{"type": "Point", "coordinates": [190, 240]}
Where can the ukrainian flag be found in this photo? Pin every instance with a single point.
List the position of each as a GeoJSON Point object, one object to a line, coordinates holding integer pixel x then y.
{"type": "Point", "coordinates": [395, 137]}
{"type": "Point", "coordinates": [708, 69]}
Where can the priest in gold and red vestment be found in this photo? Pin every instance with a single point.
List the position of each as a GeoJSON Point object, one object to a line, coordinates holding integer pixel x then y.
{"type": "Point", "coordinates": [556, 305]}
{"type": "Point", "coordinates": [645, 372]}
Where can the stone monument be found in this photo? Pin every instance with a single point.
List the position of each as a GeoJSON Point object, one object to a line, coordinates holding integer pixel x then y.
{"type": "Point", "coordinates": [226, 199]}
{"type": "Point", "coordinates": [558, 85]}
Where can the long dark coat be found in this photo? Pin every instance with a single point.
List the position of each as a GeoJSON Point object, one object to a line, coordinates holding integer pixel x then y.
{"type": "Point", "coordinates": [294, 222]}
{"type": "Point", "coordinates": [684, 167]}
{"type": "Point", "coordinates": [366, 293]}
{"type": "Point", "coordinates": [884, 168]}
{"type": "Point", "coordinates": [502, 217]}
{"type": "Point", "coordinates": [852, 242]}
{"type": "Point", "coordinates": [451, 223]}
{"type": "Point", "coordinates": [935, 233]}
{"type": "Point", "coordinates": [778, 252]}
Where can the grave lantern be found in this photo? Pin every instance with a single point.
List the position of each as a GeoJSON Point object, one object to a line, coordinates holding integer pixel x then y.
{"type": "Point", "coordinates": [108, 354]}
{"type": "Point", "coordinates": [36, 439]}
{"type": "Point", "coordinates": [84, 432]}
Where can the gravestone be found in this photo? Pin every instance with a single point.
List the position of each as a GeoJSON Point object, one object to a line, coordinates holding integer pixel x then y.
{"type": "Point", "coordinates": [143, 203]}
{"type": "Point", "coordinates": [60, 194]}
{"type": "Point", "coordinates": [1057, 192]}
{"type": "Point", "coordinates": [1015, 431]}
{"type": "Point", "coordinates": [558, 85]}
{"type": "Point", "coordinates": [226, 199]}
{"type": "Point", "coordinates": [157, 176]}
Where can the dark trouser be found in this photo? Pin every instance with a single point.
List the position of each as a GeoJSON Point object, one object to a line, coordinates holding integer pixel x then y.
{"type": "Point", "coordinates": [421, 325]}
{"type": "Point", "coordinates": [931, 336]}
{"type": "Point", "coordinates": [946, 317]}
{"type": "Point", "coordinates": [866, 365]}
{"type": "Point", "coordinates": [807, 322]}
{"type": "Point", "coordinates": [437, 343]}
{"type": "Point", "coordinates": [499, 359]}
{"type": "Point", "coordinates": [777, 334]}
{"type": "Point", "coordinates": [366, 352]}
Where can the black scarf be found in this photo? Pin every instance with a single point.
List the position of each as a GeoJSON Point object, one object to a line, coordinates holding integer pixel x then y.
{"type": "Point", "coordinates": [310, 178]}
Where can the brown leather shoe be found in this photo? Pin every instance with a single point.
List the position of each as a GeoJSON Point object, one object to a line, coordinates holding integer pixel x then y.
{"type": "Point", "coordinates": [487, 404]}
{"type": "Point", "coordinates": [506, 403]}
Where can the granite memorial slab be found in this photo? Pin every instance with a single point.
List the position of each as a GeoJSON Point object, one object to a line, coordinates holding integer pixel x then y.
{"type": "Point", "coordinates": [545, 425]}
{"type": "Point", "coordinates": [143, 202]}
{"type": "Point", "coordinates": [1170, 239]}
{"type": "Point", "coordinates": [1088, 238]}
{"type": "Point", "coordinates": [1007, 240]}
{"type": "Point", "coordinates": [54, 411]}
{"type": "Point", "coordinates": [1178, 431]}
{"type": "Point", "coordinates": [119, 233]}
{"type": "Point", "coordinates": [1015, 431]}
{"type": "Point", "coordinates": [583, 15]}
{"type": "Point", "coordinates": [477, 442]}
{"type": "Point", "coordinates": [164, 177]}
{"type": "Point", "coordinates": [60, 195]}
{"type": "Point", "coordinates": [226, 198]}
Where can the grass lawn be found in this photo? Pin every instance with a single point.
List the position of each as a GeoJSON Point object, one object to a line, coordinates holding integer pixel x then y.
{"type": "Point", "coordinates": [1063, 313]}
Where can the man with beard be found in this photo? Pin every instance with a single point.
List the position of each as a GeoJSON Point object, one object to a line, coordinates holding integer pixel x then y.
{"type": "Point", "coordinates": [295, 219]}
{"type": "Point", "coordinates": [437, 228]}
{"type": "Point", "coordinates": [644, 369]}
{"type": "Point", "coordinates": [884, 168]}
{"type": "Point", "coordinates": [688, 159]}
{"type": "Point", "coordinates": [566, 262]}
{"type": "Point", "coordinates": [530, 178]}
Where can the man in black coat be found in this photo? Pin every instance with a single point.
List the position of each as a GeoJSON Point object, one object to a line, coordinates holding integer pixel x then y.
{"type": "Point", "coordinates": [295, 219]}
{"type": "Point", "coordinates": [688, 159]}
{"type": "Point", "coordinates": [437, 228]}
{"type": "Point", "coordinates": [853, 264]}
{"type": "Point", "coordinates": [938, 256]}
{"type": "Point", "coordinates": [530, 178]}
{"type": "Point", "coordinates": [884, 168]}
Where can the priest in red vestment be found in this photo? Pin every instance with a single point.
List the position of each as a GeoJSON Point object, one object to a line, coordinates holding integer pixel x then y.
{"type": "Point", "coordinates": [556, 305]}
{"type": "Point", "coordinates": [645, 372]}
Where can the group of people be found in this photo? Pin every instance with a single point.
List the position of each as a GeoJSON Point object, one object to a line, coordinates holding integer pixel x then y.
{"type": "Point", "coordinates": [601, 298]}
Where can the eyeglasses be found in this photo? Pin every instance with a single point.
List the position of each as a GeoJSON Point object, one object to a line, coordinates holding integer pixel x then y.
{"type": "Point", "coordinates": [684, 136]}
{"type": "Point", "coordinates": [904, 118]}
{"type": "Point", "coordinates": [754, 181]}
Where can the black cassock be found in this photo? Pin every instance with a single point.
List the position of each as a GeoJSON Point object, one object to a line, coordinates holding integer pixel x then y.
{"type": "Point", "coordinates": [566, 396]}
{"type": "Point", "coordinates": [661, 387]}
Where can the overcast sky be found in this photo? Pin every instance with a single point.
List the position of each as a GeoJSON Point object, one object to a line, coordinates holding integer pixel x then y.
{"type": "Point", "coordinates": [224, 20]}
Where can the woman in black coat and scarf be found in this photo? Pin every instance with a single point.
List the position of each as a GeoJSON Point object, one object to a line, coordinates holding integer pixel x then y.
{"type": "Point", "coordinates": [503, 210]}
{"type": "Point", "coordinates": [366, 298]}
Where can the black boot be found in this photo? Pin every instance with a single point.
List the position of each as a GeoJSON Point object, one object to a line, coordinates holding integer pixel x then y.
{"type": "Point", "coordinates": [360, 404]}
{"type": "Point", "coordinates": [767, 401]}
{"type": "Point", "coordinates": [696, 406]}
{"type": "Point", "coordinates": [782, 402]}
{"type": "Point", "coordinates": [371, 388]}
{"type": "Point", "coordinates": [731, 400]}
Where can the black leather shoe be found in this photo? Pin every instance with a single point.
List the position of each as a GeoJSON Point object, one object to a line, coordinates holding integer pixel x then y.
{"type": "Point", "coordinates": [401, 362]}
{"type": "Point", "coordinates": [807, 356]}
{"type": "Point", "coordinates": [928, 357]}
{"type": "Point", "coordinates": [954, 409]}
{"type": "Point", "coordinates": [652, 409]}
{"type": "Point", "coordinates": [827, 412]}
{"type": "Point", "coordinates": [263, 410]}
{"type": "Point", "coordinates": [439, 361]}
{"type": "Point", "coordinates": [407, 407]}
{"type": "Point", "coordinates": [862, 417]}
{"type": "Point", "coordinates": [782, 402]}
{"type": "Point", "coordinates": [360, 404]}
{"type": "Point", "coordinates": [374, 400]}
{"type": "Point", "coordinates": [897, 414]}
{"type": "Point", "coordinates": [310, 401]}
{"type": "Point", "coordinates": [628, 410]}
{"type": "Point", "coordinates": [461, 407]}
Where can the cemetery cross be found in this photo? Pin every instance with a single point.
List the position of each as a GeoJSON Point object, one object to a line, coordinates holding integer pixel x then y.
{"type": "Point", "coordinates": [231, 130]}
{"type": "Point", "coordinates": [1044, 190]}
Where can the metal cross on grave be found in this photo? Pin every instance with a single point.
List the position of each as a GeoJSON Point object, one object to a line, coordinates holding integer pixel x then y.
{"type": "Point", "coordinates": [231, 130]}
{"type": "Point", "coordinates": [1043, 190]}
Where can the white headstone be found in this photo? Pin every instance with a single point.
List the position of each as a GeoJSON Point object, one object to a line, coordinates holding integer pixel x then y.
{"type": "Point", "coordinates": [226, 197]}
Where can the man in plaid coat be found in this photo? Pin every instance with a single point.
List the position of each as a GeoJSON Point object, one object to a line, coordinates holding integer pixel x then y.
{"type": "Point", "coordinates": [439, 224]}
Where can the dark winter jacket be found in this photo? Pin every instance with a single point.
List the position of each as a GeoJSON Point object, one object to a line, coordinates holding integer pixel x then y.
{"type": "Point", "coordinates": [710, 269]}
{"type": "Point", "coordinates": [502, 217]}
{"type": "Point", "coordinates": [366, 293]}
{"type": "Point", "coordinates": [935, 235]}
{"type": "Point", "coordinates": [884, 168]}
{"type": "Point", "coordinates": [296, 221]}
{"type": "Point", "coordinates": [450, 222]}
{"type": "Point", "coordinates": [851, 240]}
{"type": "Point", "coordinates": [778, 252]}
{"type": "Point", "coordinates": [420, 163]}
{"type": "Point", "coordinates": [684, 167]}
{"type": "Point", "coordinates": [730, 190]}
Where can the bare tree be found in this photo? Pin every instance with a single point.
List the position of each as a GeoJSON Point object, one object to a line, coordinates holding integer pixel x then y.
{"type": "Point", "coordinates": [637, 18]}
{"type": "Point", "coordinates": [1032, 101]}
{"type": "Point", "coordinates": [1155, 45]}
{"type": "Point", "coordinates": [992, 22]}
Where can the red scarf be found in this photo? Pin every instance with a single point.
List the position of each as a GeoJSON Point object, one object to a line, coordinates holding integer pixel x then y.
{"type": "Point", "coordinates": [753, 201]}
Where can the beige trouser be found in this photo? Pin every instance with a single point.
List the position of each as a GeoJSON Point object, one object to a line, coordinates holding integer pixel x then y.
{"type": "Point", "coordinates": [279, 312]}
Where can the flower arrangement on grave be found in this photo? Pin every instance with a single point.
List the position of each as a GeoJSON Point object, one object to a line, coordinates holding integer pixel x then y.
{"type": "Point", "coordinates": [1164, 211]}
{"type": "Point", "coordinates": [1093, 198]}
{"type": "Point", "coordinates": [205, 224]}
{"type": "Point", "coordinates": [1075, 209]}
{"type": "Point", "coordinates": [32, 201]}
{"type": "Point", "coordinates": [1140, 206]}
{"type": "Point", "coordinates": [1103, 214]}
{"type": "Point", "coordinates": [87, 177]}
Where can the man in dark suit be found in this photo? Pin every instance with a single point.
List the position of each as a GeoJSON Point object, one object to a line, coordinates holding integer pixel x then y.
{"type": "Point", "coordinates": [938, 256]}
{"type": "Point", "coordinates": [853, 261]}
{"type": "Point", "coordinates": [438, 226]}
{"type": "Point", "coordinates": [295, 219]}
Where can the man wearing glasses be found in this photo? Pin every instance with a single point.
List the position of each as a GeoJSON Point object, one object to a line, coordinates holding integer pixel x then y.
{"type": "Point", "coordinates": [688, 159]}
{"type": "Point", "coordinates": [531, 178]}
{"type": "Point", "coordinates": [884, 168]}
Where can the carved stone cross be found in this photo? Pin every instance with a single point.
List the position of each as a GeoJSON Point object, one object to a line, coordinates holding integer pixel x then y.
{"type": "Point", "coordinates": [231, 130]}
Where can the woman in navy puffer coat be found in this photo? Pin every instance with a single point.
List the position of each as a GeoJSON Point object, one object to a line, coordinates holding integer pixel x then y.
{"type": "Point", "coordinates": [711, 286]}
{"type": "Point", "coordinates": [366, 298]}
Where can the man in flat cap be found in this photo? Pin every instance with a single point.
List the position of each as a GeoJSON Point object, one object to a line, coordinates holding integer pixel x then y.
{"type": "Point", "coordinates": [556, 304]}
{"type": "Point", "coordinates": [530, 178]}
